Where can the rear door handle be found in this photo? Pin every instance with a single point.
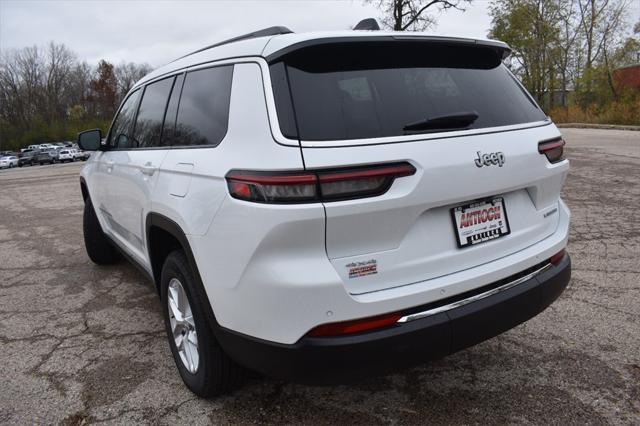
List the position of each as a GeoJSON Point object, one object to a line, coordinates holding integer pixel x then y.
{"type": "Point", "coordinates": [110, 166]}
{"type": "Point", "coordinates": [148, 169]}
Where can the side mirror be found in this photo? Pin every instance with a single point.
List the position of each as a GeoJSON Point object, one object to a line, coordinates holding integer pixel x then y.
{"type": "Point", "coordinates": [89, 140]}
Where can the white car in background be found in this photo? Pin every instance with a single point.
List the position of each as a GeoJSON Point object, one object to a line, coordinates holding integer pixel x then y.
{"type": "Point", "coordinates": [66, 155]}
{"type": "Point", "coordinates": [8, 162]}
{"type": "Point", "coordinates": [82, 155]}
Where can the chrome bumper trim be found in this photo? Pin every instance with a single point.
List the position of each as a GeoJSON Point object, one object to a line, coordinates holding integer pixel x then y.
{"type": "Point", "coordinates": [459, 303]}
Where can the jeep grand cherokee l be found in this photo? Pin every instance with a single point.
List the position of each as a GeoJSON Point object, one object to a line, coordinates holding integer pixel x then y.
{"type": "Point", "coordinates": [321, 206]}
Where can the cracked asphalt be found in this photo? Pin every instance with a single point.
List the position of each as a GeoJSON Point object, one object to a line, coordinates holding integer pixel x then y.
{"type": "Point", "coordinates": [83, 344]}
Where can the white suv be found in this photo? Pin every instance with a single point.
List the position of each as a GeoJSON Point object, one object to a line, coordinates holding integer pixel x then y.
{"type": "Point", "coordinates": [67, 154]}
{"type": "Point", "coordinates": [320, 206]}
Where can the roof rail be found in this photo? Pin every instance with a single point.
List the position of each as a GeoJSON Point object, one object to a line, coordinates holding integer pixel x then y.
{"type": "Point", "coordinates": [367, 24]}
{"type": "Point", "coordinates": [260, 33]}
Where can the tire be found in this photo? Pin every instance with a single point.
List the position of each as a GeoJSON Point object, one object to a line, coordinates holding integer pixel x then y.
{"type": "Point", "coordinates": [216, 373]}
{"type": "Point", "coordinates": [98, 247]}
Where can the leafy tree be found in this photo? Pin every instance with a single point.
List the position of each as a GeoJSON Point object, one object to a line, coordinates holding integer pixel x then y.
{"type": "Point", "coordinates": [531, 28]}
{"type": "Point", "coordinates": [564, 44]}
{"type": "Point", "coordinates": [600, 25]}
{"type": "Point", "coordinates": [104, 90]}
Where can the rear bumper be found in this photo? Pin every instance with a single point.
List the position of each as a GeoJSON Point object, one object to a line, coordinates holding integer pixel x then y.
{"type": "Point", "coordinates": [324, 360]}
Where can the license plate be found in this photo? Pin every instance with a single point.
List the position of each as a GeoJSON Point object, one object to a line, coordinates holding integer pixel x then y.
{"type": "Point", "coordinates": [480, 222]}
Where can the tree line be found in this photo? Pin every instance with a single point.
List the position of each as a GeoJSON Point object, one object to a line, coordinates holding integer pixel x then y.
{"type": "Point", "coordinates": [566, 53]}
{"type": "Point", "coordinates": [48, 95]}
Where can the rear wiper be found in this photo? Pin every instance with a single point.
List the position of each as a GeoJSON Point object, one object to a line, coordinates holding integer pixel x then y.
{"type": "Point", "coordinates": [459, 120]}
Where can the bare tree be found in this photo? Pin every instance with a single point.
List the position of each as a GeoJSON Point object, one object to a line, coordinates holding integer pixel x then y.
{"type": "Point", "coordinates": [127, 74]}
{"type": "Point", "coordinates": [414, 15]}
{"type": "Point", "coordinates": [566, 60]}
{"type": "Point", "coordinates": [56, 85]}
{"type": "Point", "coordinates": [47, 94]}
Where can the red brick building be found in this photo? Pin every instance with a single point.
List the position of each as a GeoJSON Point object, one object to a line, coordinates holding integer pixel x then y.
{"type": "Point", "coordinates": [628, 76]}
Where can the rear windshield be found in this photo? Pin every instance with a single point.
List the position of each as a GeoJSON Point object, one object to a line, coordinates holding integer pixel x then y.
{"type": "Point", "coordinates": [369, 90]}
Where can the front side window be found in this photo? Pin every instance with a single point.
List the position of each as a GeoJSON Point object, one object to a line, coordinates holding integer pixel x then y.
{"type": "Point", "coordinates": [203, 112]}
{"type": "Point", "coordinates": [120, 135]}
{"type": "Point", "coordinates": [148, 129]}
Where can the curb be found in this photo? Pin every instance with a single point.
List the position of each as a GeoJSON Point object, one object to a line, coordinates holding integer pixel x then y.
{"type": "Point", "coordinates": [598, 126]}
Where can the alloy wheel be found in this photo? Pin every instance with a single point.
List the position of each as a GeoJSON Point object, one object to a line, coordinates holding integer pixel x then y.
{"type": "Point", "coordinates": [183, 327]}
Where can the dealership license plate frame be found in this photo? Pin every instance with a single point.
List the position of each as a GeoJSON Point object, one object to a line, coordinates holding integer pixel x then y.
{"type": "Point", "coordinates": [502, 229]}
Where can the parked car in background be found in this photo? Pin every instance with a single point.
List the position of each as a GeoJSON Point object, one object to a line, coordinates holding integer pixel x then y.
{"type": "Point", "coordinates": [27, 157]}
{"type": "Point", "coordinates": [8, 162]}
{"type": "Point", "coordinates": [82, 155]}
{"type": "Point", "coordinates": [46, 157]}
{"type": "Point", "coordinates": [67, 155]}
{"type": "Point", "coordinates": [55, 153]}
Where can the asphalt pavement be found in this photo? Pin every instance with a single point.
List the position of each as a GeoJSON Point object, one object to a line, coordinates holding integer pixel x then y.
{"type": "Point", "coordinates": [82, 343]}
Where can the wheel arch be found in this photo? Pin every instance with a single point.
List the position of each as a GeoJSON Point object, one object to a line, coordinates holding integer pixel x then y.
{"type": "Point", "coordinates": [84, 189]}
{"type": "Point", "coordinates": [164, 236]}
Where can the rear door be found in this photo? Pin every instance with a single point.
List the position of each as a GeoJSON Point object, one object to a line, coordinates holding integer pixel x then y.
{"type": "Point", "coordinates": [377, 103]}
{"type": "Point", "coordinates": [132, 167]}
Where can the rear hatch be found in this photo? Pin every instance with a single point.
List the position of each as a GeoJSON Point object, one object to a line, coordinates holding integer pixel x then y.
{"type": "Point", "coordinates": [452, 111]}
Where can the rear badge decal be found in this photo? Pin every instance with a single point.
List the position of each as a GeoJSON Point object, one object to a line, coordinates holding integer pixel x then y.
{"type": "Point", "coordinates": [361, 269]}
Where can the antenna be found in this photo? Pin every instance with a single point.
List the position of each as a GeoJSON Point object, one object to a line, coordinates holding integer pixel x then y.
{"type": "Point", "coordinates": [369, 24]}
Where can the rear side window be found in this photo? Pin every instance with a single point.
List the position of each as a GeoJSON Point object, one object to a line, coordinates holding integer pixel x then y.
{"type": "Point", "coordinates": [148, 129]}
{"type": "Point", "coordinates": [369, 90]}
{"type": "Point", "coordinates": [120, 135]}
{"type": "Point", "coordinates": [203, 111]}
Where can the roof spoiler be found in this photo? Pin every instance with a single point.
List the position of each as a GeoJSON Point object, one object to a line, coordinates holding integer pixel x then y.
{"type": "Point", "coordinates": [501, 49]}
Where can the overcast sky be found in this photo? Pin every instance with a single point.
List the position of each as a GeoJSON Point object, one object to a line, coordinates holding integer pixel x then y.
{"type": "Point", "coordinates": [158, 31]}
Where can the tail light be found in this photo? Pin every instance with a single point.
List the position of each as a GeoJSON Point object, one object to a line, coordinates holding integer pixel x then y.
{"type": "Point", "coordinates": [355, 326]}
{"type": "Point", "coordinates": [556, 258]}
{"type": "Point", "coordinates": [315, 185]}
{"type": "Point", "coordinates": [553, 149]}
